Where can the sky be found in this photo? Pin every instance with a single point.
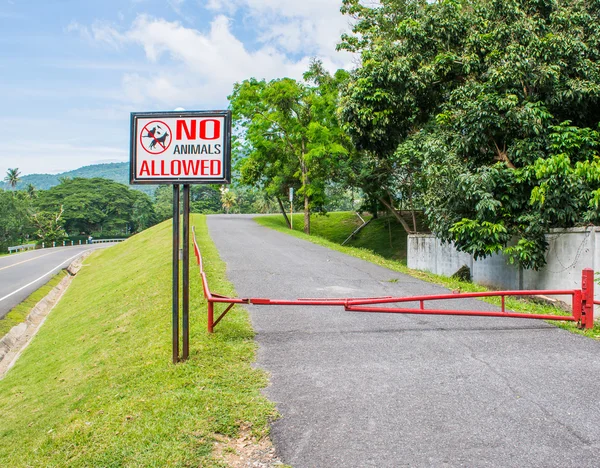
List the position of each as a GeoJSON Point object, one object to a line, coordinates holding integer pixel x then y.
{"type": "Point", "coordinates": [72, 71]}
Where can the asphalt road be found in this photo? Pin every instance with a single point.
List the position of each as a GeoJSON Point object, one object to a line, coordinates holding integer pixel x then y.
{"type": "Point", "coordinates": [379, 390]}
{"type": "Point", "coordinates": [23, 273]}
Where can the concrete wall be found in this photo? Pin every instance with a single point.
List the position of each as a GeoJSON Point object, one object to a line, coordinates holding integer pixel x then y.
{"type": "Point", "coordinates": [569, 252]}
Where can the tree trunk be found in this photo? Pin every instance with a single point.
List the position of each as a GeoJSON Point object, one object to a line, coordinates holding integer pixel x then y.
{"type": "Point", "coordinates": [397, 215]}
{"type": "Point", "coordinates": [305, 182]}
{"type": "Point", "coordinates": [412, 207]}
{"type": "Point", "coordinates": [374, 207]}
{"type": "Point", "coordinates": [283, 212]}
{"type": "Point", "coordinates": [306, 215]}
{"type": "Point", "coordinates": [306, 200]}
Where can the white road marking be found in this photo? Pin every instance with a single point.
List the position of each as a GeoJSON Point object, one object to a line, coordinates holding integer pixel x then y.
{"type": "Point", "coordinates": [43, 276]}
{"type": "Point", "coordinates": [29, 260]}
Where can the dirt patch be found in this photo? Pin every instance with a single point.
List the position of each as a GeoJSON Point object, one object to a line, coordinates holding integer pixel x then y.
{"type": "Point", "coordinates": [17, 339]}
{"type": "Point", "coordinates": [246, 450]}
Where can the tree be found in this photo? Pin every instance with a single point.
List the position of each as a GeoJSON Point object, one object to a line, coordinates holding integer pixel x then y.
{"type": "Point", "coordinates": [15, 225]}
{"type": "Point", "coordinates": [49, 226]}
{"type": "Point", "coordinates": [163, 202]}
{"type": "Point", "coordinates": [142, 214]}
{"type": "Point", "coordinates": [288, 134]}
{"type": "Point", "coordinates": [31, 191]}
{"type": "Point", "coordinates": [496, 103]}
{"type": "Point", "coordinates": [228, 199]}
{"type": "Point", "coordinates": [12, 177]}
{"type": "Point", "coordinates": [262, 203]}
{"type": "Point", "coordinates": [98, 205]}
{"type": "Point", "coordinates": [205, 199]}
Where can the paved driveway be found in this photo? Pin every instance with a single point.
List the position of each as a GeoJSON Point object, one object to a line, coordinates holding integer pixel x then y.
{"type": "Point", "coordinates": [377, 390]}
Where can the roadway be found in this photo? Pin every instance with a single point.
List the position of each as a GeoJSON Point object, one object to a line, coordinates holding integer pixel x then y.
{"type": "Point", "coordinates": [383, 390]}
{"type": "Point", "coordinates": [23, 273]}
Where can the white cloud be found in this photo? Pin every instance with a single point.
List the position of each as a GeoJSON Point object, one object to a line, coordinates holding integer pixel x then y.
{"type": "Point", "coordinates": [176, 5]}
{"type": "Point", "coordinates": [98, 32]}
{"type": "Point", "coordinates": [84, 31]}
{"type": "Point", "coordinates": [312, 26]}
{"type": "Point", "coordinates": [216, 54]}
{"type": "Point", "coordinates": [194, 68]}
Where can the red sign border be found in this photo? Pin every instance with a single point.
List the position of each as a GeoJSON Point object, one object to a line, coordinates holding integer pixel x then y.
{"type": "Point", "coordinates": [136, 116]}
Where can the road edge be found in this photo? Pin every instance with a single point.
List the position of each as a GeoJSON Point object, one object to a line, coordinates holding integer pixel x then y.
{"type": "Point", "coordinates": [18, 338]}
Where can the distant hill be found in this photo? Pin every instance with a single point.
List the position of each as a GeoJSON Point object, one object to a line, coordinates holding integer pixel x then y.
{"type": "Point", "coordinates": [119, 172]}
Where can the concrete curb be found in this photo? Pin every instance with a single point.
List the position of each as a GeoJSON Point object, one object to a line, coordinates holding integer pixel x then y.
{"type": "Point", "coordinates": [17, 339]}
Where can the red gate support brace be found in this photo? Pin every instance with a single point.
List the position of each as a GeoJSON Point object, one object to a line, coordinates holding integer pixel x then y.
{"type": "Point", "coordinates": [587, 303]}
{"type": "Point", "coordinates": [211, 316]}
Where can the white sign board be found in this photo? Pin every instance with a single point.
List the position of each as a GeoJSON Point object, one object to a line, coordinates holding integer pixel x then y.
{"type": "Point", "coordinates": [181, 147]}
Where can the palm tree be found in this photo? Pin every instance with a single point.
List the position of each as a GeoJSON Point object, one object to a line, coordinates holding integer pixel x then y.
{"type": "Point", "coordinates": [12, 177]}
{"type": "Point", "coordinates": [31, 191]}
{"type": "Point", "coordinates": [228, 199]}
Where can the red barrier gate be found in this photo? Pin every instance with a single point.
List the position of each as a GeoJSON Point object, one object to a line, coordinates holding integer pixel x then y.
{"type": "Point", "coordinates": [582, 301]}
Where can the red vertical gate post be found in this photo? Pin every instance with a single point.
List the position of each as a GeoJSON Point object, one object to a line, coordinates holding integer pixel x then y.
{"type": "Point", "coordinates": [587, 291]}
{"type": "Point", "coordinates": [211, 316]}
{"type": "Point", "coordinates": [577, 305]}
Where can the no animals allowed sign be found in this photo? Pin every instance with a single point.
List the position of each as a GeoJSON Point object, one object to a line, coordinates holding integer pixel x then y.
{"type": "Point", "coordinates": [181, 147]}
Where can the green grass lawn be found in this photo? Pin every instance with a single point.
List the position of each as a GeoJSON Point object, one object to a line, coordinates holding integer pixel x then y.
{"type": "Point", "coordinates": [362, 249]}
{"type": "Point", "coordinates": [384, 235]}
{"type": "Point", "coordinates": [96, 387]}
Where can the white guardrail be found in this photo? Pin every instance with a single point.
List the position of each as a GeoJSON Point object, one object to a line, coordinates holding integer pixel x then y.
{"type": "Point", "coordinates": [18, 248]}
{"type": "Point", "coordinates": [102, 241]}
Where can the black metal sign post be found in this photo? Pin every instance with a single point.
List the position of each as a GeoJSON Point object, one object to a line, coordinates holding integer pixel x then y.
{"type": "Point", "coordinates": [175, 273]}
{"type": "Point", "coordinates": [186, 273]}
{"type": "Point", "coordinates": [187, 147]}
{"type": "Point", "coordinates": [185, 260]}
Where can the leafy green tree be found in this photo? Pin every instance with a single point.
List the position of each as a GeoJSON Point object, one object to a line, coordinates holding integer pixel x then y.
{"type": "Point", "coordinates": [261, 203]}
{"type": "Point", "coordinates": [205, 199]}
{"type": "Point", "coordinates": [228, 199]}
{"type": "Point", "coordinates": [97, 206]}
{"type": "Point", "coordinates": [31, 191]}
{"type": "Point", "coordinates": [142, 214]}
{"type": "Point", "coordinates": [15, 226]}
{"type": "Point", "coordinates": [289, 134]}
{"type": "Point", "coordinates": [491, 104]}
{"type": "Point", "coordinates": [163, 202]}
{"type": "Point", "coordinates": [48, 226]}
{"type": "Point", "coordinates": [12, 177]}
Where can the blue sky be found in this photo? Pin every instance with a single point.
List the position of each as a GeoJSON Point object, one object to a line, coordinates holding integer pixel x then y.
{"type": "Point", "coordinates": [71, 71]}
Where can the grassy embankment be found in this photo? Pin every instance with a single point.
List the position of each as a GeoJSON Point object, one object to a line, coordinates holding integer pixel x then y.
{"type": "Point", "coordinates": [19, 313]}
{"type": "Point", "coordinates": [327, 230]}
{"type": "Point", "coordinates": [96, 386]}
{"type": "Point", "coordinates": [384, 235]}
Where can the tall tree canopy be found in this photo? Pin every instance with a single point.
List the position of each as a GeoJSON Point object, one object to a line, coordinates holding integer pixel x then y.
{"type": "Point", "coordinates": [288, 134]}
{"type": "Point", "coordinates": [15, 226]}
{"type": "Point", "coordinates": [98, 205]}
{"type": "Point", "coordinates": [494, 102]}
